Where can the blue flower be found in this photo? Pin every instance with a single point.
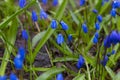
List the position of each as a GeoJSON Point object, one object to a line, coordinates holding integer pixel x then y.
{"type": "Point", "coordinates": [99, 17]}
{"type": "Point", "coordinates": [82, 2]}
{"type": "Point", "coordinates": [97, 26]}
{"type": "Point", "coordinates": [64, 25]}
{"type": "Point", "coordinates": [80, 62]}
{"type": "Point", "coordinates": [84, 28]}
{"type": "Point", "coordinates": [113, 52]}
{"type": "Point", "coordinates": [95, 11]}
{"type": "Point", "coordinates": [55, 2]}
{"type": "Point", "coordinates": [70, 38]}
{"type": "Point", "coordinates": [114, 37]}
{"type": "Point", "coordinates": [107, 43]}
{"type": "Point", "coordinates": [43, 14]}
{"type": "Point", "coordinates": [97, 35]}
{"type": "Point", "coordinates": [104, 61]}
{"type": "Point", "coordinates": [95, 40]}
{"type": "Point", "coordinates": [113, 12]}
{"type": "Point", "coordinates": [44, 2]}
{"type": "Point", "coordinates": [60, 39]}
{"type": "Point", "coordinates": [53, 24]}
{"type": "Point", "coordinates": [13, 76]}
{"type": "Point", "coordinates": [34, 16]}
{"type": "Point", "coordinates": [3, 77]}
{"type": "Point", "coordinates": [24, 34]}
{"type": "Point", "coordinates": [22, 52]}
{"type": "Point", "coordinates": [59, 77]}
{"type": "Point", "coordinates": [18, 63]}
{"type": "Point", "coordinates": [116, 4]}
{"type": "Point", "coordinates": [22, 3]}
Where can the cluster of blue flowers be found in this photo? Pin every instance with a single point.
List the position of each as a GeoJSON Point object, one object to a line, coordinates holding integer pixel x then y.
{"type": "Point", "coordinates": [11, 77]}
{"type": "Point", "coordinates": [60, 38]}
{"type": "Point", "coordinates": [112, 39]}
{"type": "Point", "coordinates": [54, 2]}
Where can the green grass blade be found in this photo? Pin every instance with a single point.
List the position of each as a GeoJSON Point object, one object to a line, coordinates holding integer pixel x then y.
{"type": "Point", "coordinates": [50, 73]}
{"type": "Point", "coordinates": [11, 37]}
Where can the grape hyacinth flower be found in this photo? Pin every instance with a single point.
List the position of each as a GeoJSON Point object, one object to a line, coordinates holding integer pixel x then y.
{"type": "Point", "coordinates": [3, 77]}
{"type": "Point", "coordinates": [24, 35]}
{"type": "Point", "coordinates": [97, 35]}
{"type": "Point", "coordinates": [113, 52]}
{"type": "Point", "coordinates": [95, 39]}
{"type": "Point", "coordinates": [95, 11]}
{"type": "Point", "coordinates": [104, 61]}
{"type": "Point", "coordinates": [82, 2]}
{"type": "Point", "coordinates": [34, 16]}
{"type": "Point", "coordinates": [70, 38]}
{"type": "Point", "coordinates": [18, 63]}
{"type": "Point", "coordinates": [44, 2]}
{"type": "Point", "coordinates": [22, 52]}
{"type": "Point", "coordinates": [53, 24]}
{"type": "Point", "coordinates": [60, 39]}
{"type": "Point", "coordinates": [97, 26]}
{"type": "Point", "coordinates": [43, 14]}
{"type": "Point", "coordinates": [84, 28]}
{"type": "Point", "coordinates": [116, 4]}
{"type": "Point", "coordinates": [113, 12]}
{"type": "Point", "coordinates": [114, 37]}
{"type": "Point", "coordinates": [80, 62]}
{"type": "Point", "coordinates": [22, 3]}
{"type": "Point", "coordinates": [55, 2]}
{"type": "Point", "coordinates": [107, 43]}
{"type": "Point", "coordinates": [59, 77]}
{"type": "Point", "coordinates": [64, 25]}
{"type": "Point", "coordinates": [99, 18]}
{"type": "Point", "coordinates": [13, 76]}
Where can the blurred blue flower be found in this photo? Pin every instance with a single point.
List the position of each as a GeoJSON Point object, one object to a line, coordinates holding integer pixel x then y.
{"type": "Point", "coordinates": [59, 77]}
{"type": "Point", "coordinates": [53, 24]}
{"type": "Point", "coordinates": [99, 18]}
{"type": "Point", "coordinates": [95, 39]}
{"type": "Point", "coordinates": [22, 3]}
{"type": "Point", "coordinates": [44, 2]}
{"type": "Point", "coordinates": [34, 16]}
{"type": "Point", "coordinates": [3, 77]}
{"type": "Point", "coordinates": [24, 34]}
{"type": "Point", "coordinates": [97, 35]}
{"type": "Point", "coordinates": [84, 28]}
{"type": "Point", "coordinates": [64, 25]}
{"type": "Point", "coordinates": [80, 62]}
{"type": "Point", "coordinates": [97, 26]}
{"type": "Point", "coordinates": [55, 2]}
{"type": "Point", "coordinates": [18, 63]}
{"type": "Point", "coordinates": [95, 11]}
{"type": "Point", "coordinates": [60, 39]}
{"type": "Point", "coordinates": [113, 52]}
{"type": "Point", "coordinates": [70, 38]}
{"type": "Point", "coordinates": [104, 61]}
{"type": "Point", "coordinates": [43, 14]}
{"type": "Point", "coordinates": [116, 4]}
{"type": "Point", "coordinates": [113, 12]}
{"type": "Point", "coordinates": [114, 37]}
{"type": "Point", "coordinates": [13, 76]}
{"type": "Point", "coordinates": [22, 52]}
{"type": "Point", "coordinates": [82, 2]}
{"type": "Point", "coordinates": [107, 43]}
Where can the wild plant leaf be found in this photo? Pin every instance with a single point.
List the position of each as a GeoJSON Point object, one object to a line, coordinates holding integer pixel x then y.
{"type": "Point", "coordinates": [50, 73]}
